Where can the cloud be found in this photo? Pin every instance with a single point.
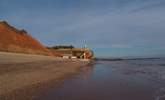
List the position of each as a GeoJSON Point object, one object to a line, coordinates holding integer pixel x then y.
{"type": "Point", "coordinates": [120, 46]}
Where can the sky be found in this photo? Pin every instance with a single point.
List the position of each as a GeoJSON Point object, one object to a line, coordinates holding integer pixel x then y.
{"type": "Point", "coordinates": [112, 28]}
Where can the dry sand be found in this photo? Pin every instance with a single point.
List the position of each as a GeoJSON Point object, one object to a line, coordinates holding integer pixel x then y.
{"type": "Point", "coordinates": [23, 77]}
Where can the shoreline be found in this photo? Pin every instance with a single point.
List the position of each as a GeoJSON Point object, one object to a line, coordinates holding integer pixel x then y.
{"type": "Point", "coordinates": [23, 77]}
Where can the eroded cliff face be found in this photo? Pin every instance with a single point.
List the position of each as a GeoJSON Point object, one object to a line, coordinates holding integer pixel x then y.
{"type": "Point", "coordinates": [19, 41]}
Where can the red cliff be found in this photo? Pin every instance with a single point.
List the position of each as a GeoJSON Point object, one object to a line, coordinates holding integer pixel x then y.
{"type": "Point", "coordinates": [19, 41]}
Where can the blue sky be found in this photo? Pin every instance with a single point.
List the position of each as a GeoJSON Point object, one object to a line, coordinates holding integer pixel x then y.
{"type": "Point", "coordinates": [112, 28]}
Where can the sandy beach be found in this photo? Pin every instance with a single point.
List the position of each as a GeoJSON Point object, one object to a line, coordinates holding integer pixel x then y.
{"type": "Point", "coordinates": [23, 76]}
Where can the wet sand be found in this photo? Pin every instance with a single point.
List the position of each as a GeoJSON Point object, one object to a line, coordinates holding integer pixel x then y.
{"type": "Point", "coordinates": [114, 80]}
{"type": "Point", "coordinates": [24, 77]}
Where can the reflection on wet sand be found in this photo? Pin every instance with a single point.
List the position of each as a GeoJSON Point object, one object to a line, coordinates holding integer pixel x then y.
{"type": "Point", "coordinates": [87, 72]}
